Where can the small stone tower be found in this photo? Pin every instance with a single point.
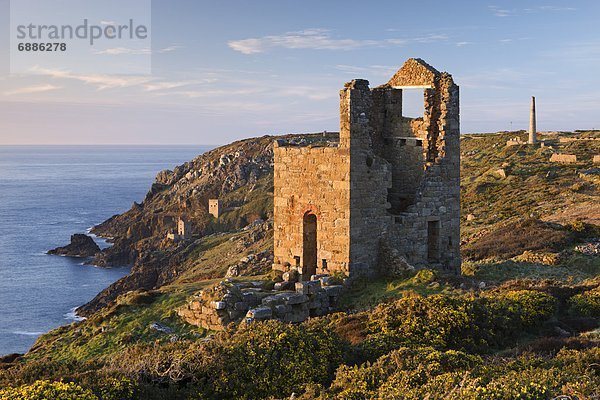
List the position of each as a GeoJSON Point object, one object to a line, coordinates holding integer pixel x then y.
{"type": "Point", "coordinates": [532, 127]}
{"type": "Point", "coordinates": [184, 229]}
{"type": "Point", "coordinates": [214, 207]}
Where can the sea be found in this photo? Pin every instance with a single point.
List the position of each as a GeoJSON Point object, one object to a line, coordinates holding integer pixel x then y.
{"type": "Point", "coordinates": [48, 193]}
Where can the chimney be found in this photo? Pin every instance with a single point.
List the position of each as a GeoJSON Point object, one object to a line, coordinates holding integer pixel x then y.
{"type": "Point", "coordinates": [532, 127]}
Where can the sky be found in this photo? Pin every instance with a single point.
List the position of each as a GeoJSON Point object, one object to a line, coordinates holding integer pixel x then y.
{"type": "Point", "coordinates": [227, 70]}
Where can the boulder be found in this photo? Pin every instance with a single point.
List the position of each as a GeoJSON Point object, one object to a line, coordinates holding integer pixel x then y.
{"type": "Point", "coordinates": [308, 287]}
{"type": "Point", "coordinates": [290, 276]}
{"type": "Point", "coordinates": [81, 246]}
{"type": "Point", "coordinates": [285, 285]}
{"type": "Point", "coordinates": [161, 328]}
{"type": "Point", "coordinates": [260, 313]}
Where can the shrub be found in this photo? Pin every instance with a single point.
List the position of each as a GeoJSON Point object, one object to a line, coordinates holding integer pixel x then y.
{"type": "Point", "coordinates": [257, 361]}
{"type": "Point", "coordinates": [45, 390]}
{"type": "Point", "coordinates": [412, 374]}
{"type": "Point", "coordinates": [397, 373]}
{"type": "Point", "coordinates": [528, 307]}
{"type": "Point", "coordinates": [513, 387]}
{"type": "Point", "coordinates": [424, 276]}
{"type": "Point", "coordinates": [117, 389]}
{"type": "Point", "coordinates": [440, 321]}
{"type": "Point", "coordinates": [276, 359]}
{"type": "Point", "coordinates": [461, 323]}
{"type": "Point", "coordinates": [586, 304]}
{"type": "Point", "coordinates": [583, 229]}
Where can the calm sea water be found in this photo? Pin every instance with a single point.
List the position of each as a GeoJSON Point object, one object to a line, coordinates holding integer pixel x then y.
{"type": "Point", "coordinates": [46, 194]}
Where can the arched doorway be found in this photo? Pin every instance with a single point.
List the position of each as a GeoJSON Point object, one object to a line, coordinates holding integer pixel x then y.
{"type": "Point", "coordinates": [309, 245]}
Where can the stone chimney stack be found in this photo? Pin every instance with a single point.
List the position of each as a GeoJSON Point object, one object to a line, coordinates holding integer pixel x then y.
{"type": "Point", "coordinates": [532, 127]}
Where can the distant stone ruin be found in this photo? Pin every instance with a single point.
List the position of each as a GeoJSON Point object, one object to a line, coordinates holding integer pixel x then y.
{"type": "Point", "coordinates": [389, 181]}
{"type": "Point", "coordinates": [563, 158]}
{"type": "Point", "coordinates": [214, 207]}
{"type": "Point", "coordinates": [183, 232]}
{"type": "Point", "coordinates": [577, 139]}
{"type": "Point", "coordinates": [516, 141]}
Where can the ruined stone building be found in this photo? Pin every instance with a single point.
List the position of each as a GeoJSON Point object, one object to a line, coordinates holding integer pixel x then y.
{"type": "Point", "coordinates": [214, 207]}
{"type": "Point", "coordinates": [389, 182]}
{"type": "Point", "coordinates": [184, 231]}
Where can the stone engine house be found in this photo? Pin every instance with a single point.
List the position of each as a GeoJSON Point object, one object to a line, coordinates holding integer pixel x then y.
{"type": "Point", "coordinates": [389, 183]}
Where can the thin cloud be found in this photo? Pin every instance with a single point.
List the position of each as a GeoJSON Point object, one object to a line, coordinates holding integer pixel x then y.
{"type": "Point", "coordinates": [504, 12]}
{"type": "Point", "coordinates": [429, 38]}
{"type": "Point", "coordinates": [319, 39]}
{"type": "Point", "coordinates": [166, 85]}
{"type": "Point", "coordinates": [170, 48]}
{"type": "Point", "coordinates": [115, 51]}
{"type": "Point", "coordinates": [501, 12]}
{"type": "Point", "coordinates": [104, 82]}
{"type": "Point", "coordinates": [510, 40]}
{"type": "Point", "coordinates": [461, 44]}
{"type": "Point", "coordinates": [100, 81]}
{"type": "Point", "coordinates": [580, 52]}
{"type": "Point", "coordinates": [123, 50]}
{"type": "Point", "coordinates": [376, 70]}
{"type": "Point", "coordinates": [311, 93]}
{"type": "Point", "coordinates": [32, 89]}
{"type": "Point", "coordinates": [550, 8]}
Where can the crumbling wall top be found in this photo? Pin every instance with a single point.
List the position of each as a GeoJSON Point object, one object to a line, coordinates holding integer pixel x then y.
{"type": "Point", "coordinates": [357, 84]}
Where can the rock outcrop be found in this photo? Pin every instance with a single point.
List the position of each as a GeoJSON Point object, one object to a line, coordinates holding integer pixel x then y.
{"type": "Point", "coordinates": [239, 173]}
{"type": "Point", "coordinates": [81, 246]}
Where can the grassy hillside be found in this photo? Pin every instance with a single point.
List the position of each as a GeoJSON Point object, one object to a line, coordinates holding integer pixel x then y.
{"type": "Point", "coordinates": [519, 323]}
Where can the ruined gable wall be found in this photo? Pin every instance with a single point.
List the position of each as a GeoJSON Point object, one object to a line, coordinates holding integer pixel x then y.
{"type": "Point", "coordinates": [318, 180]}
{"type": "Point", "coordinates": [438, 197]}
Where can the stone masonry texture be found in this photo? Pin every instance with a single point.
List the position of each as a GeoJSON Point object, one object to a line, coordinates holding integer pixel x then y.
{"type": "Point", "coordinates": [563, 158]}
{"type": "Point", "coordinates": [388, 181]}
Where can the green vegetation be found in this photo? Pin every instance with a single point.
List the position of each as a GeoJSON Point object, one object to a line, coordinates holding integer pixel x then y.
{"type": "Point", "coordinates": [111, 330]}
{"type": "Point", "coordinates": [586, 304]}
{"type": "Point", "coordinates": [448, 345]}
{"type": "Point", "coordinates": [521, 322]}
{"type": "Point", "coordinates": [427, 373]}
{"type": "Point", "coordinates": [365, 294]}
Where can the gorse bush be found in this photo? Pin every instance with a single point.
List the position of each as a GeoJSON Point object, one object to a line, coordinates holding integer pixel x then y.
{"type": "Point", "coordinates": [420, 373]}
{"type": "Point", "coordinates": [273, 359]}
{"type": "Point", "coordinates": [46, 390]}
{"type": "Point", "coordinates": [261, 360]}
{"type": "Point", "coordinates": [462, 323]}
{"type": "Point", "coordinates": [96, 388]}
{"type": "Point", "coordinates": [416, 346]}
{"type": "Point", "coordinates": [527, 307]}
{"type": "Point", "coordinates": [393, 373]}
{"type": "Point", "coordinates": [586, 304]}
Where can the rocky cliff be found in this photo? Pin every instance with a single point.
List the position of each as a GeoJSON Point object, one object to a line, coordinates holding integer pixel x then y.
{"type": "Point", "coordinates": [239, 174]}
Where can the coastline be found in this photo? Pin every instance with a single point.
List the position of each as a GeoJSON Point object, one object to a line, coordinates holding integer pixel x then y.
{"type": "Point", "coordinates": [48, 193]}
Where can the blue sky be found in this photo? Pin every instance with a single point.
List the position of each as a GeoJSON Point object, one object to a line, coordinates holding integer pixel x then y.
{"type": "Point", "coordinates": [227, 70]}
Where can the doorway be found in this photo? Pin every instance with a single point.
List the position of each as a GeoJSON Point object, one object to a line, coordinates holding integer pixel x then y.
{"type": "Point", "coordinates": [309, 245]}
{"type": "Point", "coordinates": [433, 241]}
